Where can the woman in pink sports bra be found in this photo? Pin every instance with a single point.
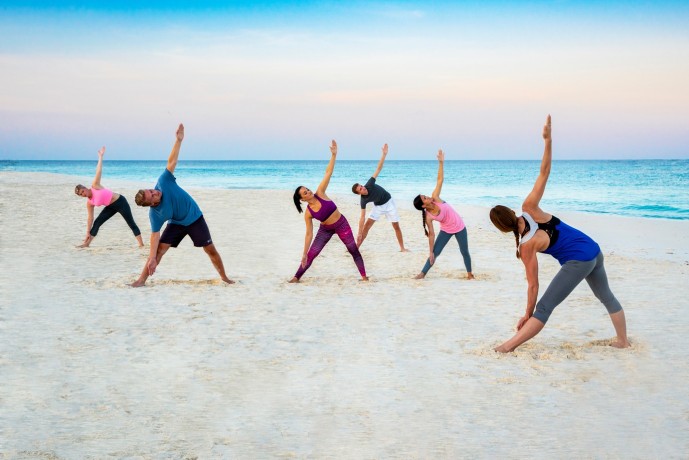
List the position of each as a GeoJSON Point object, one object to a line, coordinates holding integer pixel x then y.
{"type": "Point", "coordinates": [323, 209]}
{"type": "Point", "coordinates": [451, 224]}
{"type": "Point", "coordinates": [114, 203]}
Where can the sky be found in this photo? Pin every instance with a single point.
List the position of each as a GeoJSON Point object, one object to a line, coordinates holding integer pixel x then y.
{"type": "Point", "coordinates": [279, 80]}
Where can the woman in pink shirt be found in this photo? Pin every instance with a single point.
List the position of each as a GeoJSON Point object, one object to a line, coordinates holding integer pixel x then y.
{"type": "Point", "coordinates": [114, 203]}
{"type": "Point", "coordinates": [451, 224]}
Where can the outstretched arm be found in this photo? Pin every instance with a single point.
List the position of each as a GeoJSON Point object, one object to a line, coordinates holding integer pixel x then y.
{"type": "Point", "coordinates": [152, 262]}
{"type": "Point", "coordinates": [89, 224]}
{"type": "Point", "coordinates": [172, 159]}
{"type": "Point", "coordinates": [329, 170]}
{"type": "Point", "coordinates": [308, 237]}
{"type": "Point", "coordinates": [382, 160]}
{"type": "Point", "coordinates": [530, 260]}
{"type": "Point", "coordinates": [441, 175]}
{"type": "Point", "coordinates": [431, 239]}
{"type": "Point", "coordinates": [99, 169]}
{"type": "Point", "coordinates": [89, 219]}
{"type": "Point", "coordinates": [534, 198]}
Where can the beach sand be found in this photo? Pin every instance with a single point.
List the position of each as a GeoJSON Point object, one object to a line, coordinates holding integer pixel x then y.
{"type": "Point", "coordinates": [333, 367]}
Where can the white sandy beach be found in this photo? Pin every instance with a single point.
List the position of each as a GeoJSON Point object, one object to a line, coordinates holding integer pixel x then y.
{"type": "Point", "coordinates": [333, 367]}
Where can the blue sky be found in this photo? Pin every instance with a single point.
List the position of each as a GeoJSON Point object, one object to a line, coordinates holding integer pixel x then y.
{"type": "Point", "coordinates": [280, 79]}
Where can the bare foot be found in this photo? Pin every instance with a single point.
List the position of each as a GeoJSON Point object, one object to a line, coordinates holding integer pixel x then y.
{"type": "Point", "coordinates": [364, 278]}
{"type": "Point", "coordinates": [621, 344]}
{"type": "Point", "coordinates": [138, 283]}
{"type": "Point", "coordinates": [85, 245]}
{"type": "Point", "coordinates": [404, 250]}
{"type": "Point", "coordinates": [227, 280]}
{"type": "Point", "coordinates": [420, 276]}
{"type": "Point", "coordinates": [294, 280]}
{"type": "Point", "coordinates": [470, 276]}
{"type": "Point", "coordinates": [501, 349]}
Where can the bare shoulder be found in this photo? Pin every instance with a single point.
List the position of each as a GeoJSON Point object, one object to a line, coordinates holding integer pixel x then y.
{"type": "Point", "coordinates": [537, 213]}
{"type": "Point", "coordinates": [529, 249]}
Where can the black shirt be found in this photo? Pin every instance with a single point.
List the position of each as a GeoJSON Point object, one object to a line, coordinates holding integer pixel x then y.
{"type": "Point", "coordinates": [376, 194]}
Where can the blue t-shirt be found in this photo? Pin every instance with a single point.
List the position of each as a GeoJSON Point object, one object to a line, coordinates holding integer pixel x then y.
{"type": "Point", "coordinates": [176, 205]}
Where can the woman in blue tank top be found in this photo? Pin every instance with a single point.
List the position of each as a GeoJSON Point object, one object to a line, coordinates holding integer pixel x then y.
{"type": "Point", "coordinates": [580, 258]}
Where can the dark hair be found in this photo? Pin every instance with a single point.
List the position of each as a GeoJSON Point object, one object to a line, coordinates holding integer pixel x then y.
{"type": "Point", "coordinates": [354, 187]}
{"type": "Point", "coordinates": [418, 204]}
{"type": "Point", "coordinates": [297, 199]}
{"type": "Point", "coordinates": [506, 220]}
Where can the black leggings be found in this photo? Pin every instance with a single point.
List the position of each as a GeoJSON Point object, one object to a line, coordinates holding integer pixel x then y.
{"type": "Point", "coordinates": [120, 205]}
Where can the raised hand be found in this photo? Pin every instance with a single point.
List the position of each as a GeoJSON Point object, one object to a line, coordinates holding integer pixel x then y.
{"type": "Point", "coordinates": [333, 148]}
{"type": "Point", "coordinates": [441, 155]}
{"type": "Point", "coordinates": [385, 149]}
{"type": "Point", "coordinates": [180, 132]}
{"type": "Point", "coordinates": [101, 152]}
{"type": "Point", "coordinates": [546, 129]}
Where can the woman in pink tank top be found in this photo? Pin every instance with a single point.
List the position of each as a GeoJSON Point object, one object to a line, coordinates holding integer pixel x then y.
{"type": "Point", "coordinates": [323, 209]}
{"type": "Point", "coordinates": [451, 224]}
{"type": "Point", "coordinates": [114, 203]}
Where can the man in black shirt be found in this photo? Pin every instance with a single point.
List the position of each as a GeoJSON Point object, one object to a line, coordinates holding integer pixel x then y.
{"type": "Point", "coordinates": [383, 204]}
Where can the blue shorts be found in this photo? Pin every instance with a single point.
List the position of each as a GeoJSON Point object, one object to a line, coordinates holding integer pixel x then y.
{"type": "Point", "coordinates": [197, 231]}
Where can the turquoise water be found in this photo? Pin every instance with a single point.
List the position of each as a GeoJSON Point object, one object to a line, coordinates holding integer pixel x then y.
{"type": "Point", "coordinates": [641, 188]}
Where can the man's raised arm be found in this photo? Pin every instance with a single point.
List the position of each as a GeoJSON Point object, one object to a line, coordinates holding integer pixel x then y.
{"type": "Point", "coordinates": [382, 160]}
{"type": "Point", "coordinates": [172, 159]}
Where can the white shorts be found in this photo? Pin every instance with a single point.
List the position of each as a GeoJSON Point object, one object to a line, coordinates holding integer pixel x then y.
{"type": "Point", "coordinates": [388, 210]}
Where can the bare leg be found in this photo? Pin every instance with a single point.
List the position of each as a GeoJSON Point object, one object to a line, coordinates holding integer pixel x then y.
{"type": "Point", "coordinates": [217, 262]}
{"type": "Point", "coordinates": [141, 242]}
{"type": "Point", "coordinates": [364, 232]}
{"type": "Point", "coordinates": [398, 234]}
{"type": "Point", "coordinates": [532, 327]}
{"type": "Point", "coordinates": [620, 324]}
{"type": "Point", "coordinates": [162, 249]}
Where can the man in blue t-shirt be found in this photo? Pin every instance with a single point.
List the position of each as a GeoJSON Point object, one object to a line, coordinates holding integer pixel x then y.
{"type": "Point", "coordinates": [383, 205]}
{"type": "Point", "coordinates": [170, 203]}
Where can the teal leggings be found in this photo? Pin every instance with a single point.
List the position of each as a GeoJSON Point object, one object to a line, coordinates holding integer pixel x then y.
{"type": "Point", "coordinates": [440, 242]}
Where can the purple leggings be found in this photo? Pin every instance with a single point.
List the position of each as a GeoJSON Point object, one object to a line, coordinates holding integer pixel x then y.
{"type": "Point", "coordinates": [325, 232]}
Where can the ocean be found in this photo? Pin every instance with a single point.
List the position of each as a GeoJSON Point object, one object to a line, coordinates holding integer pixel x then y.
{"type": "Point", "coordinates": [640, 188]}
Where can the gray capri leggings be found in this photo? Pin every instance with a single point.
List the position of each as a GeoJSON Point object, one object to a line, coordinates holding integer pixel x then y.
{"type": "Point", "coordinates": [440, 242]}
{"type": "Point", "coordinates": [569, 276]}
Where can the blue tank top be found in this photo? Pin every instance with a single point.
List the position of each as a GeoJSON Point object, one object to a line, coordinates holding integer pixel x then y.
{"type": "Point", "coordinates": [567, 243]}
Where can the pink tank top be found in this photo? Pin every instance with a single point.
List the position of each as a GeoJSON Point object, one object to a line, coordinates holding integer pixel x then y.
{"type": "Point", "coordinates": [100, 197]}
{"type": "Point", "coordinates": [450, 221]}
